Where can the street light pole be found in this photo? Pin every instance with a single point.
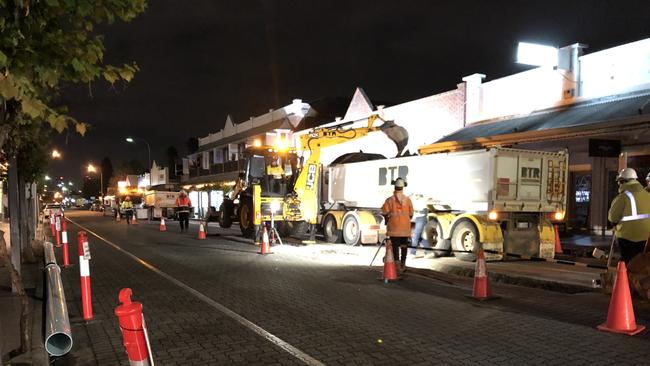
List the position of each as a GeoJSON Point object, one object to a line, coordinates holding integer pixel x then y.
{"type": "Point", "coordinates": [131, 140]}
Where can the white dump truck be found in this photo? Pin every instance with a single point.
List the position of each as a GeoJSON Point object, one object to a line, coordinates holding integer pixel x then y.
{"type": "Point", "coordinates": [160, 203]}
{"type": "Point", "coordinates": [506, 200]}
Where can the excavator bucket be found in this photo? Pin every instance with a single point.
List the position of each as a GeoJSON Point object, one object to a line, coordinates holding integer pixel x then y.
{"type": "Point", "coordinates": [397, 134]}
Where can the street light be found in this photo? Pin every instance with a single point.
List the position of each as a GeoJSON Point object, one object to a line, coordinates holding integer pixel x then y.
{"type": "Point", "coordinates": [56, 154]}
{"type": "Point", "coordinates": [92, 169]}
{"type": "Point", "coordinates": [132, 140]}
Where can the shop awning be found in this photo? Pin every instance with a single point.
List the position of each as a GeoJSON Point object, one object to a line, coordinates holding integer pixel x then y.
{"type": "Point", "coordinates": [590, 118]}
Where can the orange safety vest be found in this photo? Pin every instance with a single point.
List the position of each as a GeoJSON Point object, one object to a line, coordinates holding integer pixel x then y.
{"type": "Point", "coordinates": [399, 210]}
{"type": "Point", "coordinates": [184, 203]}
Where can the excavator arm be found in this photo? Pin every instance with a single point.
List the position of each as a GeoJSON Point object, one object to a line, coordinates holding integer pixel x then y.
{"type": "Point", "coordinates": [306, 186]}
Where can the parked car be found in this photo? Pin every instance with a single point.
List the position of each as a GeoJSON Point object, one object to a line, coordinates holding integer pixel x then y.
{"type": "Point", "coordinates": [54, 207]}
{"type": "Point", "coordinates": [97, 206]}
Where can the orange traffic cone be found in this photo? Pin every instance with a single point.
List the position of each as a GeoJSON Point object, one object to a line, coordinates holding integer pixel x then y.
{"type": "Point", "coordinates": [134, 220]}
{"type": "Point", "coordinates": [620, 317]}
{"type": "Point", "coordinates": [390, 272]}
{"type": "Point", "coordinates": [162, 224]}
{"type": "Point", "coordinates": [558, 245]}
{"type": "Point", "coordinates": [481, 289]}
{"type": "Point", "coordinates": [201, 231]}
{"type": "Point", "coordinates": [117, 217]}
{"type": "Point", "coordinates": [265, 248]}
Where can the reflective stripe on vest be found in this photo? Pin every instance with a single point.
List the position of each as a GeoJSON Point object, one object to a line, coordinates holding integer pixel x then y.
{"type": "Point", "coordinates": [634, 216]}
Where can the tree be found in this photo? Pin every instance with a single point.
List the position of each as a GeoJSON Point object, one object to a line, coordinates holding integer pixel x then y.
{"type": "Point", "coordinates": [90, 187]}
{"type": "Point", "coordinates": [107, 171]}
{"type": "Point", "coordinates": [43, 45]}
{"type": "Point", "coordinates": [172, 156]}
{"type": "Point", "coordinates": [129, 167]}
{"type": "Point", "coordinates": [192, 145]}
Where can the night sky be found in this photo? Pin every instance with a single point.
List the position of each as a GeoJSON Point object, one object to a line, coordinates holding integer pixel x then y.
{"type": "Point", "coordinates": [201, 60]}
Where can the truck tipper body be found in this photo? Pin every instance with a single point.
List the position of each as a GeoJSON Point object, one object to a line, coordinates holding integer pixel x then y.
{"type": "Point", "coordinates": [161, 204]}
{"type": "Point", "coordinates": [502, 199]}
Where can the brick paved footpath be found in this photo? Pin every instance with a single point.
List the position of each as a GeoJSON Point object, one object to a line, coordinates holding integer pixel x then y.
{"type": "Point", "coordinates": [335, 314]}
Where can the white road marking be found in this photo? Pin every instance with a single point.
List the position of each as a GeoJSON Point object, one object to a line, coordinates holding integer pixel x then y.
{"type": "Point", "coordinates": [295, 352]}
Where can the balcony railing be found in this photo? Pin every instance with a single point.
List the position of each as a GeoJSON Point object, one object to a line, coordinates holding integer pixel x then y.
{"type": "Point", "coordinates": [229, 166]}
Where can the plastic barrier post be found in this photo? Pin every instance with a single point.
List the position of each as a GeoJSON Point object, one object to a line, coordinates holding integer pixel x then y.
{"type": "Point", "coordinates": [64, 240]}
{"type": "Point", "coordinates": [84, 273]}
{"type": "Point", "coordinates": [133, 332]}
{"type": "Point", "coordinates": [57, 225]}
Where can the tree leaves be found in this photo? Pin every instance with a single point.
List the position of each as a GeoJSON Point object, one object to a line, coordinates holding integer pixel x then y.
{"type": "Point", "coordinates": [81, 128]}
{"type": "Point", "coordinates": [32, 107]}
{"type": "Point", "coordinates": [8, 89]}
{"type": "Point", "coordinates": [55, 43]}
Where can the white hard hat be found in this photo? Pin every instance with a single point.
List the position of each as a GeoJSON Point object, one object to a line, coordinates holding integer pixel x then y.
{"type": "Point", "coordinates": [626, 174]}
{"type": "Point", "coordinates": [400, 183]}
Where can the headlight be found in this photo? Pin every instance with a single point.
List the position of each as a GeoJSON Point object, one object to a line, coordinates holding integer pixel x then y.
{"type": "Point", "coordinates": [275, 206]}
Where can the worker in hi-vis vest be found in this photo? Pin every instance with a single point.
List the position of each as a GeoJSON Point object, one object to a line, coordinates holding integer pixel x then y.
{"type": "Point", "coordinates": [398, 210]}
{"type": "Point", "coordinates": [630, 211]}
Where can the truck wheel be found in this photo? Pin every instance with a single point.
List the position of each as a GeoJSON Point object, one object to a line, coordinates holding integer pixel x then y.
{"type": "Point", "coordinates": [351, 230]}
{"type": "Point", "coordinates": [246, 218]}
{"type": "Point", "coordinates": [433, 232]}
{"type": "Point", "coordinates": [465, 238]}
{"type": "Point", "coordinates": [332, 233]}
{"type": "Point", "coordinates": [225, 215]}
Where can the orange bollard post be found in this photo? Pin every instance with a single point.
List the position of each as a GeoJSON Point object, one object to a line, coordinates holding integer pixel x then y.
{"type": "Point", "coordinates": [558, 244]}
{"type": "Point", "coordinates": [134, 332]}
{"type": "Point", "coordinates": [481, 290]}
{"type": "Point", "coordinates": [84, 274]}
{"type": "Point", "coordinates": [57, 226]}
{"type": "Point", "coordinates": [390, 272]}
{"type": "Point", "coordinates": [620, 316]}
{"type": "Point", "coordinates": [52, 223]}
{"type": "Point", "coordinates": [64, 240]}
{"type": "Point", "coordinates": [162, 224]}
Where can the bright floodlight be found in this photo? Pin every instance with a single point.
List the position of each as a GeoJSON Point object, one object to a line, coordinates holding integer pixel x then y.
{"type": "Point", "coordinates": [536, 54]}
{"type": "Point", "coordinates": [129, 139]}
{"type": "Point", "coordinates": [91, 168]}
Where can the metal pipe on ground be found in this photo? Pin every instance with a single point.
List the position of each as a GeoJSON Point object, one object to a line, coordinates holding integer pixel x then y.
{"type": "Point", "coordinates": [58, 337]}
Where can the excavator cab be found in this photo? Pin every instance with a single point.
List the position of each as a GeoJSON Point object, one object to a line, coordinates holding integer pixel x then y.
{"type": "Point", "coordinates": [274, 170]}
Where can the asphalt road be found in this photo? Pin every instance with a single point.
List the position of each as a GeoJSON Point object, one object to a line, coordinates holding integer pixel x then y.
{"type": "Point", "coordinates": [218, 301]}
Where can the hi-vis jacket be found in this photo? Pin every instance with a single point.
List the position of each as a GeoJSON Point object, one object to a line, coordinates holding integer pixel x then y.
{"type": "Point", "coordinates": [183, 204]}
{"type": "Point", "coordinates": [127, 205]}
{"type": "Point", "coordinates": [630, 211]}
{"type": "Point", "coordinates": [399, 210]}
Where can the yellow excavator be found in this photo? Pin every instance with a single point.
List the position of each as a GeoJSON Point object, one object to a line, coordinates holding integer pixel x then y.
{"type": "Point", "coordinates": [277, 182]}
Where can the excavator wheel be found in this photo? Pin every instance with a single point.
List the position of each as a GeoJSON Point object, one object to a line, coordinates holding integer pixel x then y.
{"type": "Point", "coordinates": [225, 214]}
{"type": "Point", "coordinates": [246, 217]}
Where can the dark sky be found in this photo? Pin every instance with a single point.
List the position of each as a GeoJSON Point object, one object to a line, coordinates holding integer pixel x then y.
{"type": "Point", "coordinates": [201, 60]}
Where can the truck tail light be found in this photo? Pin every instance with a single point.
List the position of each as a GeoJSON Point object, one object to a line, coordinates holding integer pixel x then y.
{"type": "Point", "coordinates": [558, 215]}
{"type": "Point", "coordinates": [493, 215]}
